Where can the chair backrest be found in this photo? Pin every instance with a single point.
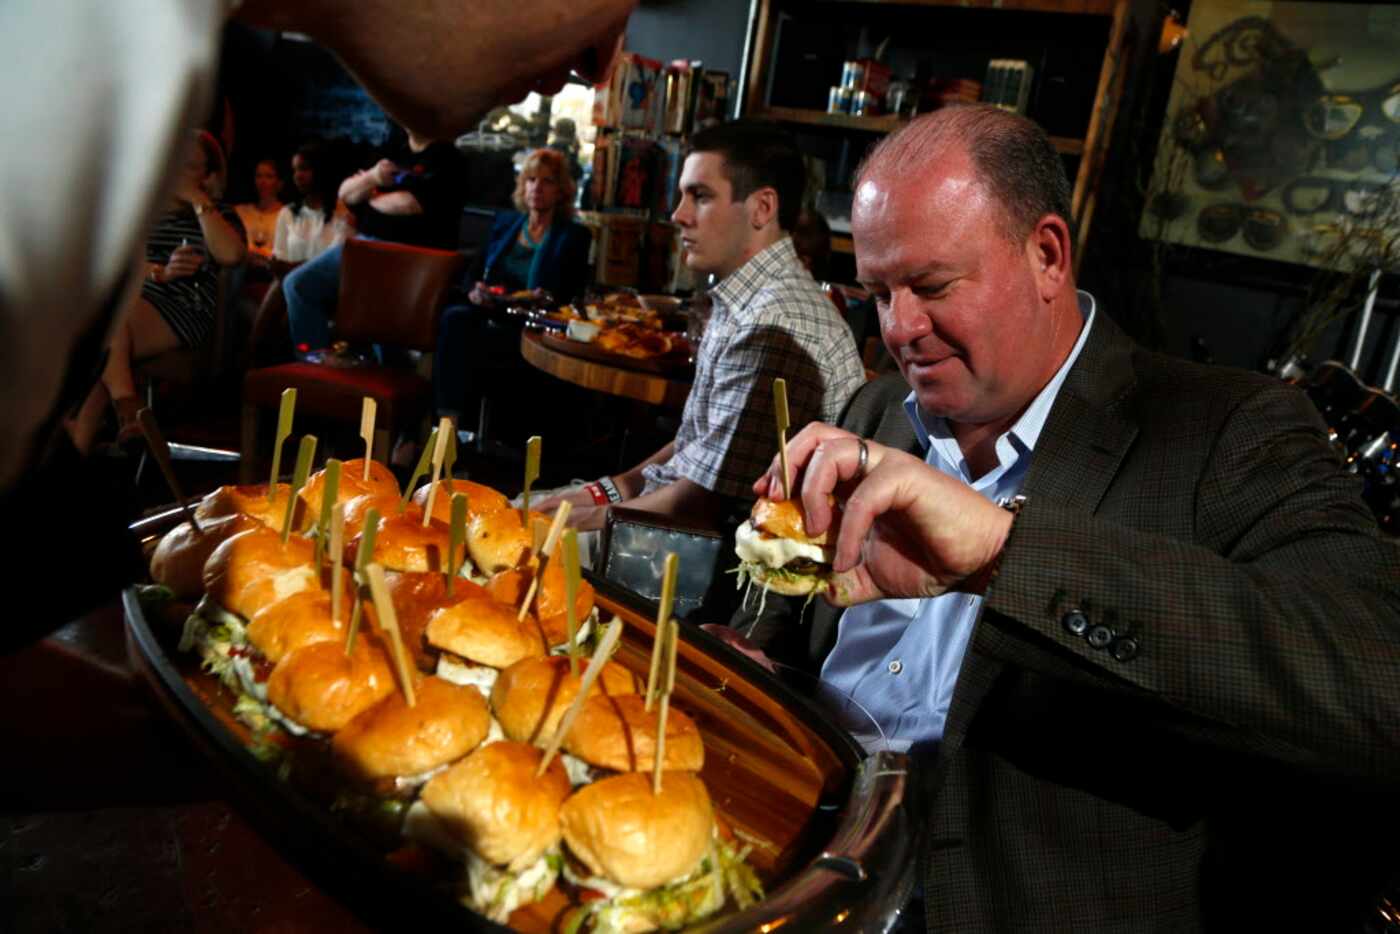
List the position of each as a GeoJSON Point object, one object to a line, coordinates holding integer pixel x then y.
{"type": "Point", "coordinates": [392, 293]}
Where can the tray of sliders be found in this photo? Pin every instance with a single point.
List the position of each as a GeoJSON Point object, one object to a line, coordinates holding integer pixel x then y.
{"type": "Point", "coordinates": [637, 341]}
{"type": "Point", "coordinates": [417, 698]}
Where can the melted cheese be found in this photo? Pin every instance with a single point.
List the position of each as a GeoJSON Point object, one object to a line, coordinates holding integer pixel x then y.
{"type": "Point", "coordinates": [481, 677]}
{"type": "Point", "coordinates": [294, 581]}
{"type": "Point", "coordinates": [750, 545]}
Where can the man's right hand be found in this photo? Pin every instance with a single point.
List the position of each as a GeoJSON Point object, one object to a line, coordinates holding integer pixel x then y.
{"type": "Point", "coordinates": [384, 171]}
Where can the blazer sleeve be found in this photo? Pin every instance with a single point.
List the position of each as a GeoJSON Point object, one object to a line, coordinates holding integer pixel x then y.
{"type": "Point", "coordinates": [1276, 628]}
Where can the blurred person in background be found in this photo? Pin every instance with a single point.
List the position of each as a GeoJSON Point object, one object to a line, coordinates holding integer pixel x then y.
{"type": "Point", "coordinates": [537, 247]}
{"type": "Point", "coordinates": [260, 217]}
{"type": "Point", "coordinates": [195, 238]}
{"type": "Point", "coordinates": [316, 220]}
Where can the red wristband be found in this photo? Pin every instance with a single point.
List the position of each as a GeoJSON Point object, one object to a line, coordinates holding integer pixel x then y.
{"type": "Point", "coordinates": [595, 490]}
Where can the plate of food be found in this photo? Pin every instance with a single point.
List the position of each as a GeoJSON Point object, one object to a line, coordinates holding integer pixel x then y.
{"type": "Point", "coordinates": [436, 804]}
{"type": "Point", "coordinates": [631, 346]}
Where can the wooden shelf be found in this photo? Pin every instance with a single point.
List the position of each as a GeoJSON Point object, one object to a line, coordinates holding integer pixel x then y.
{"type": "Point", "coordinates": [885, 123]}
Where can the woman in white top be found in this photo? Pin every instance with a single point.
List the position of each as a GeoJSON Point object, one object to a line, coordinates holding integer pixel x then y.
{"type": "Point", "coordinates": [260, 218]}
{"type": "Point", "coordinates": [314, 223]}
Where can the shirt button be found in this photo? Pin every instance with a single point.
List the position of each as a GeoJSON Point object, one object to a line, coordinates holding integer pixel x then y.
{"type": "Point", "coordinates": [1075, 623]}
{"type": "Point", "coordinates": [1099, 637]}
{"type": "Point", "coordinates": [896, 667]}
{"type": "Point", "coordinates": [1125, 649]}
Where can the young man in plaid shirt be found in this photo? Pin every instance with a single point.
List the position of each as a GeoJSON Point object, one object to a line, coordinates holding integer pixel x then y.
{"type": "Point", "coordinates": [741, 193]}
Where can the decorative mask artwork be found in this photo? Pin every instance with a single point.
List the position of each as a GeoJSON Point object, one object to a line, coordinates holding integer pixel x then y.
{"type": "Point", "coordinates": [1282, 137]}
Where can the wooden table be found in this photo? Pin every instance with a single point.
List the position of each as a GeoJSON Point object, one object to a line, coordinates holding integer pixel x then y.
{"type": "Point", "coordinates": [651, 388]}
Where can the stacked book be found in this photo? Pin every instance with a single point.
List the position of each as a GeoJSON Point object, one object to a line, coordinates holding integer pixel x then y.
{"type": "Point", "coordinates": [1008, 84]}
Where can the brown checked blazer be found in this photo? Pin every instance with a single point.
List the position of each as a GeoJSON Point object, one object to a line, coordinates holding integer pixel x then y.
{"type": "Point", "coordinates": [1180, 708]}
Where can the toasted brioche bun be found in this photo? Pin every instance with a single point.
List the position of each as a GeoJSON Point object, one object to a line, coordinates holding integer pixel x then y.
{"type": "Point", "coordinates": [356, 509]}
{"type": "Point", "coordinates": [254, 569]}
{"type": "Point", "coordinates": [416, 596]}
{"type": "Point", "coordinates": [618, 733]}
{"type": "Point", "coordinates": [498, 540]}
{"type": "Point", "coordinates": [785, 519]}
{"type": "Point", "coordinates": [623, 832]}
{"type": "Point", "coordinates": [404, 544]}
{"type": "Point", "coordinates": [550, 600]}
{"type": "Point", "coordinates": [178, 561]}
{"type": "Point", "coordinates": [381, 478]}
{"type": "Point", "coordinates": [323, 689]}
{"type": "Point", "coordinates": [351, 487]}
{"type": "Point", "coordinates": [300, 620]}
{"type": "Point", "coordinates": [252, 500]}
{"type": "Point", "coordinates": [493, 803]}
{"type": "Point", "coordinates": [531, 696]}
{"type": "Point", "coordinates": [485, 632]}
{"type": "Point", "coordinates": [390, 739]}
{"type": "Point", "coordinates": [481, 499]}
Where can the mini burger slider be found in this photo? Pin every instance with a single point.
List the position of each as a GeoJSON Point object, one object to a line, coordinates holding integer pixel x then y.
{"type": "Point", "coordinates": [648, 860]}
{"type": "Point", "coordinates": [481, 499]}
{"type": "Point", "coordinates": [499, 540]}
{"type": "Point", "coordinates": [275, 632]}
{"type": "Point", "coordinates": [532, 696]}
{"type": "Point", "coordinates": [178, 561]}
{"type": "Point", "coordinates": [491, 810]}
{"type": "Point", "coordinates": [403, 543]}
{"type": "Point", "coordinates": [477, 638]}
{"type": "Point", "coordinates": [253, 500]}
{"type": "Point", "coordinates": [381, 484]}
{"type": "Point", "coordinates": [618, 733]}
{"type": "Point", "coordinates": [320, 689]}
{"type": "Point", "coordinates": [777, 553]}
{"type": "Point", "coordinates": [551, 598]}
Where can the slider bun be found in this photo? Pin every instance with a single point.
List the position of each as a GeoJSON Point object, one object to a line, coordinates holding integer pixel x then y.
{"type": "Point", "coordinates": [355, 510]}
{"type": "Point", "coordinates": [254, 569]}
{"type": "Point", "coordinates": [252, 500]}
{"type": "Point", "coordinates": [493, 803]}
{"type": "Point", "coordinates": [784, 518]}
{"type": "Point", "coordinates": [618, 733]}
{"type": "Point", "coordinates": [531, 696]}
{"type": "Point", "coordinates": [178, 561]}
{"type": "Point", "coordinates": [623, 832]}
{"type": "Point", "coordinates": [485, 632]}
{"type": "Point", "coordinates": [481, 499]}
{"type": "Point", "coordinates": [381, 479]}
{"type": "Point", "coordinates": [789, 585]}
{"type": "Point", "coordinates": [498, 540]}
{"type": "Point", "coordinates": [403, 544]}
{"type": "Point", "coordinates": [391, 738]}
{"type": "Point", "coordinates": [416, 596]}
{"type": "Point", "coordinates": [550, 601]}
{"type": "Point", "coordinates": [321, 688]}
{"type": "Point", "coordinates": [351, 487]}
{"type": "Point", "coordinates": [300, 620]}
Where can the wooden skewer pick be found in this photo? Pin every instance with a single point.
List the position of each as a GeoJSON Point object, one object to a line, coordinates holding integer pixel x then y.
{"type": "Point", "coordinates": [668, 684]}
{"type": "Point", "coordinates": [368, 409]}
{"type": "Point", "coordinates": [532, 473]}
{"type": "Point", "coordinates": [390, 624]}
{"type": "Point", "coordinates": [571, 579]}
{"type": "Point", "coordinates": [161, 452]}
{"type": "Point", "coordinates": [284, 431]}
{"type": "Point", "coordinates": [561, 516]}
{"type": "Point", "coordinates": [590, 675]}
{"type": "Point", "coordinates": [330, 492]}
{"type": "Point", "coordinates": [450, 461]}
{"type": "Point", "coordinates": [780, 411]}
{"type": "Point", "coordinates": [362, 556]}
{"type": "Point", "coordinates": [305, 454]}
{"type": "Point", "coordinates": [457, 538]}
{"type": "Point", "coordinates": [424, 460]}
{"type": "Point", "coordinates": [663, 622]}
{"type": "Point", "coordinates": [337, 559]}
{"type": "Point", "coordinates": [444, 430]}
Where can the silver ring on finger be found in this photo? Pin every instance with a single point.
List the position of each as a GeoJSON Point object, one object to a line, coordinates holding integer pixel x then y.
{"type": "Point", "coordinates": [862, 458]}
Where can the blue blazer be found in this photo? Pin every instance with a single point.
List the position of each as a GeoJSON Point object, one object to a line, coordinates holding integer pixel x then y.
{"type": "Point", "coordinates": [560, 265]}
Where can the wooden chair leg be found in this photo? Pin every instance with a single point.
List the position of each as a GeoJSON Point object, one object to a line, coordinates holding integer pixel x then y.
{"type": "Point", "coordinates": [249, 449]}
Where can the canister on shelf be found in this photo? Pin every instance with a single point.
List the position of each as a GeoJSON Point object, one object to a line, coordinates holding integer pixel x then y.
{"type": "Point", "coordinates": [853, 74]}
{"type": "Point", "coordinates": [863, 104]}
{"type": "Point", "coordinates": [839, 101]}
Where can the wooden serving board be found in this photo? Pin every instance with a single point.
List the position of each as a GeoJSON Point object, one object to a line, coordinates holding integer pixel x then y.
{"type": "Point", "coordinates": [777, 770]}
{"type": "Point", "coordinates": [675, 364]}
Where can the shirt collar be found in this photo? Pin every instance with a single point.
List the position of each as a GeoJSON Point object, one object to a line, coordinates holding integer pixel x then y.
{"type": "Point", "coordinates": [772, 262]}
{"type": "Point", "coordinates": [1026, 430]}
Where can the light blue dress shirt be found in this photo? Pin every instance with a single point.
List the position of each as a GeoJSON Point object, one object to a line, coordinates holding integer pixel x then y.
{"type": "Point", "coordinates": [899, 659]}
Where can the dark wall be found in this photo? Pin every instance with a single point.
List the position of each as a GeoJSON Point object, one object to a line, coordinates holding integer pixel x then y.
{"type": "Point", "coordinates": [709, 30]}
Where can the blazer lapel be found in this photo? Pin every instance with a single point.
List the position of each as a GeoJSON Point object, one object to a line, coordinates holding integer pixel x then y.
{"type": "Point", "coordinates": [1080, 449]}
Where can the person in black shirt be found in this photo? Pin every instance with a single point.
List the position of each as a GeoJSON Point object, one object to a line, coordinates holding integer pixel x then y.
{"type": "Point", "coordinates": [413, 196]}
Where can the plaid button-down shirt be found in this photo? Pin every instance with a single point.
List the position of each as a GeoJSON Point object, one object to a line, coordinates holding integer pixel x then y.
{"type": "Point", "coordinates": [770, 319]}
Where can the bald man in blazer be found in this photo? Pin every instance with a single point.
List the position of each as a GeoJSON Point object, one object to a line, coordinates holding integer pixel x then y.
{"type": "Point", "coordinates": [1174, 696]}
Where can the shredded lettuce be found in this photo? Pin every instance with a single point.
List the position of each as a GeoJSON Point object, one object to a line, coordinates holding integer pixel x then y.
{"type": "Point", "coordinates": [496, 891]}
